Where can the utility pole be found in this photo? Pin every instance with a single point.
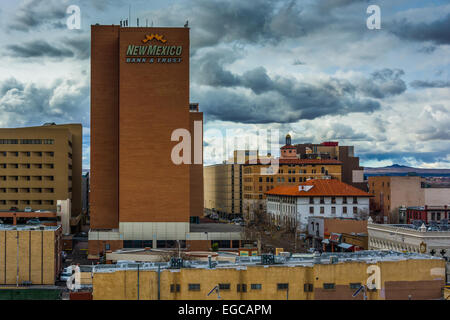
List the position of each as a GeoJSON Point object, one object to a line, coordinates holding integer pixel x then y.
{"type": "Point", "coordinates": [159, 282]}
{"type": "Point", "coordinates": [138, 281]}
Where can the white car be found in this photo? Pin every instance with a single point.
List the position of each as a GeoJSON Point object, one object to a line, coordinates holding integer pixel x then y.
{"type": "Point", "coordinates": [28, 209]}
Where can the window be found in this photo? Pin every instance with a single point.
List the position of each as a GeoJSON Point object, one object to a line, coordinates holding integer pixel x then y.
{"type": "Point", "coordinates": [322, 200]}
{"type": "Point", "coordinates": [311, 200]}
{"type": "Point", "coordinates": [194, 286]}
{"type": "Point", "coordinates": [344, 210]}
{"type": "Point", "coordinates": [308, 287]}
{"type": "Point", "coordinates": [283, 286]}
{"type": "Point", "coordinates": [322, 210]}
{"type": "Point", "coordinates": [333, 210]}
{"type": "Point", "coordinates": [311, 210]}
{"type": "Point", "coordinates": [355, 210]}
{"type": "Point", "coordinates": [355, 285]}
{"type": "Point", "coordinates": [224, 286]}
{"type": "Point", "coordinates": [256, 286]}
{"type": "Point", "coordinates": [333, 199]}
{"type": "Point", "coordinates": [355, 199]}
{"type": "Point", "coordinates": [107, 246]}
{"type": "Point", "coordinates": [344, 200]}
{"type": "Point", "coordinates": [241, 288]}
{"type": "Point", "coordinates": [174, 288]}
{"type": "Point", "coordinates": [329, 286]}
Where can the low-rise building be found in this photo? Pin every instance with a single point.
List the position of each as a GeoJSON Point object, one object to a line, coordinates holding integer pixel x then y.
{"type": "Point", "coordinates": [386, 275]}
{"type": "Point", "coordinates": [391, 193]}
{"type": "Point", "coordinates": [336, 234]}
{"type": "Point", "coordinates": [291, 206]}
{"type": "Point", "coordinates": [419, 238]}
{"type": "Point", "coordinates": [428, 214]}
{"type": "Point", "coordinates": [30, 255]}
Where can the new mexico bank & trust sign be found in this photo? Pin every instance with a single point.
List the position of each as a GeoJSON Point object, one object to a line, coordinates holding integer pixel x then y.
{"type": "Point", "coordinates": [154, 53]}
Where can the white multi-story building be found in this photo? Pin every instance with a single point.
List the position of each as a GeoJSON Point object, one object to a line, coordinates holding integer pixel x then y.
{"type": "Point", "coordinates": [291, 206]}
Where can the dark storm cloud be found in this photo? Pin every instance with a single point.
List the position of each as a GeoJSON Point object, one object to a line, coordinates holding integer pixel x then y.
{"type": "Point", "coordinates": [75, 46]}
{"type": "Point", "coordinates": [32, 14]}
{"type": "Point", "coordinates": [291, 104]}
{"type": "Point", "coordinates": [419, 84]}
{"type": "Point", "coordinates": [328, 5]}
{"type": "Point", "coordinates": [282, 99]}
{"type": "Point", "coordinates": [384, 83]}
{"type": "Point", "coordinates": [38, 48]}
{"type": "Point", "coordinates": [437, 31]}
{"type": "Point", "coordinates": [31, 104]}
{"type": "Point", "coordinates": [250, 22]}
{"type": "Point", "coordinates": [80, 44]}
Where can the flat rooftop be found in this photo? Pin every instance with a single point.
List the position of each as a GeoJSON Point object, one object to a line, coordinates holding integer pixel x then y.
{"type": "Point", "coordinates": [214, 227]}
{"type": "Point", "coordinates": [297, 259]}
{"type": "Point", "coordinates": [416, 227]}
{"type": "Point", "coordinates": [26, 227]}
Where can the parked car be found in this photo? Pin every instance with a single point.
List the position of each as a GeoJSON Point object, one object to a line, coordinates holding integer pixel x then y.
{"type": "Point", "coordinates": [13, 209]}
{"type": "Point", "coordinates": [81, 234]}
{"type": "Point", "coordinates": [33, 221]}
{"type": "Point", "coordinates": [1, 221]}
{"type": "Point", "coordinates": [28, 209]}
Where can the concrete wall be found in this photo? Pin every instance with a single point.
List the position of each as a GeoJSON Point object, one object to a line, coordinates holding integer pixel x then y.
{"type": "Point", "coordinates": [397, 282]}
{"type": "Point", "coordinates": [437, 196]}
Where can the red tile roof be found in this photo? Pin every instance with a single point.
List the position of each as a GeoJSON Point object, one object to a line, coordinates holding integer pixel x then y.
{"type": "Point", "coordinates": [321, 187]}
{"type": "Point", "coordinates": [301, 161]}
{"type": "Point", "coordinates": [288, 147]}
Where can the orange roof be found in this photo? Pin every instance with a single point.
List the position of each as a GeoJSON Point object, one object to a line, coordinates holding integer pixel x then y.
{"type": "Point", "coordinates": [321, 187]}
{"type": "Point", "coordinates": [301, 161]}
{"type": "Point", "coordinates": [288, 147]}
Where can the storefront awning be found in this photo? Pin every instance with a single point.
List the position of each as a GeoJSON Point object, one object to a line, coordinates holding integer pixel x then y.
{"type": "Point", "coordinates": [326, 241]}
{"type": "Point", "coordinates": [344, 245]}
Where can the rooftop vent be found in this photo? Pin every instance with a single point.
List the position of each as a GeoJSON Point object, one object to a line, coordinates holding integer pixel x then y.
{"type": "Point", "coordinates": [304, 188]}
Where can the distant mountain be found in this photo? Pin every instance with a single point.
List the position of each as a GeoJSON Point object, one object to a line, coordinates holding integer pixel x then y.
{"type": "Point", "coordinates": [400, 170]}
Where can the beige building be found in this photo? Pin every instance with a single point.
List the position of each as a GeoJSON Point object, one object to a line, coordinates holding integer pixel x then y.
{"type": "Point", "coordinates": [330, 276]}
{"type": "Point", "coordinates": [40, 165]}
{"type": "Point", "coordinates": [223, 185]}
{"type": "Point", "coordinates": [29, 255]}
{"type": "Point", "coordinates": [223, 189]}
{"type": "Point", "coordinates": [392, 192]}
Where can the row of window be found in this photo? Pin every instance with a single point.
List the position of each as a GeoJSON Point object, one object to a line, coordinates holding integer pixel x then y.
{"type": "Point", "coordinates": [333, 210]}
{"type": "Point", "coordinates": [282, 179]}
{"type": "Point", "coordinates": [241, 287]}
{"type": "Point", "coordinates": [27, 178]}
{"type": "Point", "coordinates": [27, 165]}
{"type": "Point", "coordinates": [27, 153]}
{"type": "Point", "coordinates": [311, 200]}
{"type": "Point", "coordinates": [27, 202]}
{"type": "Point", "coordinates": [27, 141]}
{"type": "Point", "coordinates": [27, 190]}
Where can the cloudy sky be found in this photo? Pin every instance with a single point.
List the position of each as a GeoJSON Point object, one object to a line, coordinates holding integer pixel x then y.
{"type": "Point", "coordinates": [308, 67]}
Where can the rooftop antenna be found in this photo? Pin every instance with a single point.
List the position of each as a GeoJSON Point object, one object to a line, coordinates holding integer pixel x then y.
{"type": "Point", "coordinates": [152, 23]}
{"type": "Point", "coordinates": [146, 22]}
{"type": "Point", "coordinates": [186, 24]}
{"type": "Point", "coordinates": [129, 12]}
{"type": "Point", "coordinates": [138, 22]}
